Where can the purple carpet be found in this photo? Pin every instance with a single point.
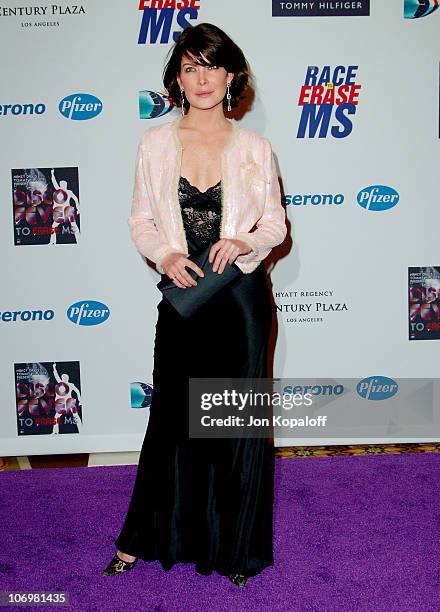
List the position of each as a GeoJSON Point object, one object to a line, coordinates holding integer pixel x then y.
{"type": "Point", "coordinates": [358, 533]}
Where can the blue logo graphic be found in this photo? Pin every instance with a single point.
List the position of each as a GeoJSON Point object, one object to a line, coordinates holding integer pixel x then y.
{"type": "Point", "coordinates": [10, 316]}
{"type": "Point", "coordinates": [88, 312]}
{"type": "Point", "coordinates": [22, 109]}
{"type": "Point", "coordinates": [316, 199]}
{"type": "Point", "coordinates": [141, 394]}
{"type": "Point", "coordinates": [80, 106]}
{"type": "Point", "coordinates": [377, 388]}
{"type": "Point", "coordinates": [378, 197]}
{"type": "Point", "coordinates": [413, 9]}
{"type": "Point", "coordinates": [162, 22]}
{"type": "Point", "coordinates": [314, 389]}
{"type": "Point", "coordinates": [152, 105]}
{"type": "Point", "coordinates": [328, 99]}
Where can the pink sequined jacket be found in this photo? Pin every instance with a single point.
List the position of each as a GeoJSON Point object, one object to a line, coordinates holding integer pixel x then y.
{"type": "Point", "coordinates": [251, 197]}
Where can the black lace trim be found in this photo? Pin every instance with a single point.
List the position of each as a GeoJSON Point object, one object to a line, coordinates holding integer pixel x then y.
{"type": "Point", "coordinates": [201, 211]}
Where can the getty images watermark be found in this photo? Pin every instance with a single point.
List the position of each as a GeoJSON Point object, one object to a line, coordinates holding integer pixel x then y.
{"type": "Point", "coordinates": [247, 407]}
{"type": "Point", "coordinates": [291, 408]}
{"type": "Point", "coordinates": [252, 404]}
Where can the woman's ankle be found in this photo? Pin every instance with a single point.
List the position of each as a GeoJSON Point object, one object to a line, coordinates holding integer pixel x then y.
{"type": "Point", "coordinates": [125, 557]}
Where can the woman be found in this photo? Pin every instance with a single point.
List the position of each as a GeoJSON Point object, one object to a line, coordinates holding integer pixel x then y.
{"type": "Point", "coordinates": [203, 178]}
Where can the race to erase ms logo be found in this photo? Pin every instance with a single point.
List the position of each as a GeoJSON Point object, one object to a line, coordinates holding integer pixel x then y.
{"type": "Point", "coordinates": [413, 9]}
{"type": "Point", "coordinates": [159, 16]}
{"type": "Point", "coordinates": [328, 100]}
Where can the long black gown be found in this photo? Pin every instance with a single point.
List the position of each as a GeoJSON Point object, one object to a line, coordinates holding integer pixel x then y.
{"type": "Point", "coordinates": [204, 501]}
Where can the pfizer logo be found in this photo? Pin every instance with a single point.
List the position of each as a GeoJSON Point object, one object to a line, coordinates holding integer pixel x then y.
{"type": "Point", "coordinates": [377, 388]}
{"type": "Point", "coordinates": [378, 197]}
{"type": "Point", "coordinates": [152, 105]}
{"type": "Point", "coordinates": [88, 312]}
{"type": "Point", "coordinates": [80, 106]}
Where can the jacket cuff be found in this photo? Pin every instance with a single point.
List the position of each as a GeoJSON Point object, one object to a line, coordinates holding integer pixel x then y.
{"type": "Point", "coordinates": [252, 244]}
{"type": "Point", "coordinates": [162, 256]}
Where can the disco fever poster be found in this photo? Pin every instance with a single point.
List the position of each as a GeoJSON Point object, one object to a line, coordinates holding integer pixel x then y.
{"type": "Point", "coordinates": [48, 397]}
{"type": "Point", "coordinates": [424, 303]}
{"type": "Point", "coordinates": [46, 206]}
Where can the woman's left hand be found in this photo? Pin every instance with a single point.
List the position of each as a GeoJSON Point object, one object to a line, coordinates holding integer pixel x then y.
{"type": "Point", "coordinates": [226, 250]}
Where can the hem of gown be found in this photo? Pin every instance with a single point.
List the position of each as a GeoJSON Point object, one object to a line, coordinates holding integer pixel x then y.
{"type": "Point", "coordinates": [198, 567]}
{"type": "Point", "coordinates": [168, 565]}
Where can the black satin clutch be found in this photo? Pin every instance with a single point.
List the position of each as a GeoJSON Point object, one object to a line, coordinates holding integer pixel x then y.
{"type": "Point", "coordinates": [188, 301]}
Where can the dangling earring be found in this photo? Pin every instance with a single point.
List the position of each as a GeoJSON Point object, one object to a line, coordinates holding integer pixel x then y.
{"type": "Point", "coordinates": [182, 102]}
{"type": "Point", "coordinates": [228, 96]}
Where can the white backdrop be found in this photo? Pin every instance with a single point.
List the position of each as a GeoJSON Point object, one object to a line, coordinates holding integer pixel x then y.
{"type": "Point", "coordinates": [358, 257]}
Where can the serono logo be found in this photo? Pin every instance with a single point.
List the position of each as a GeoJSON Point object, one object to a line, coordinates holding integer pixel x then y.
{"type": "Point", "coordinates": [26, 315]}
{"type": "Point", "coordinates": [377, 388]}
{"type": "Point", "coordinates": [88, 312]}
{"type": "Point", "coordinates": [22, 109]}
{"type": "Point", "coordinates": [314, 389]}
{"type": "Point", "coordinates": [377, 197]}
{"type": "Point", "coordinates": [314, 199]}
{"type": "Point", "coordinates": [80, 106]}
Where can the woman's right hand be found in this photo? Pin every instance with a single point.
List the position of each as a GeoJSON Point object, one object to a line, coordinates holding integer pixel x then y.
{"type": "Point", "coordinates": [174, 266]}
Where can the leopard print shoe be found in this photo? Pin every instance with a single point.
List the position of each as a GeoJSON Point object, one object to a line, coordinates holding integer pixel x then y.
{"type": "Point", "coordinates": [118, 565]}
{"type": "Point", "coordinates": [238, 579]}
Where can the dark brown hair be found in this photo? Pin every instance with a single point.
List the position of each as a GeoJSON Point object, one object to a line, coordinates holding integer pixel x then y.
{"type": "Point", "coordinates": [210, 41]}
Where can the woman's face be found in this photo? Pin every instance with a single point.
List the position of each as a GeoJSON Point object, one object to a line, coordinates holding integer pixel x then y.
{"type": "Point", "coordinates": [204, 86]}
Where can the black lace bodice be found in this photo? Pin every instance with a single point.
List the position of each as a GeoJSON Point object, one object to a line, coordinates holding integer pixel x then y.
{"type": "Point", "coordinates": [201, 212]}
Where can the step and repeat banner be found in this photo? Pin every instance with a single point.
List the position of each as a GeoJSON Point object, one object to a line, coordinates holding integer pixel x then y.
{"type": "Point", "coordinates": [348, 94]}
